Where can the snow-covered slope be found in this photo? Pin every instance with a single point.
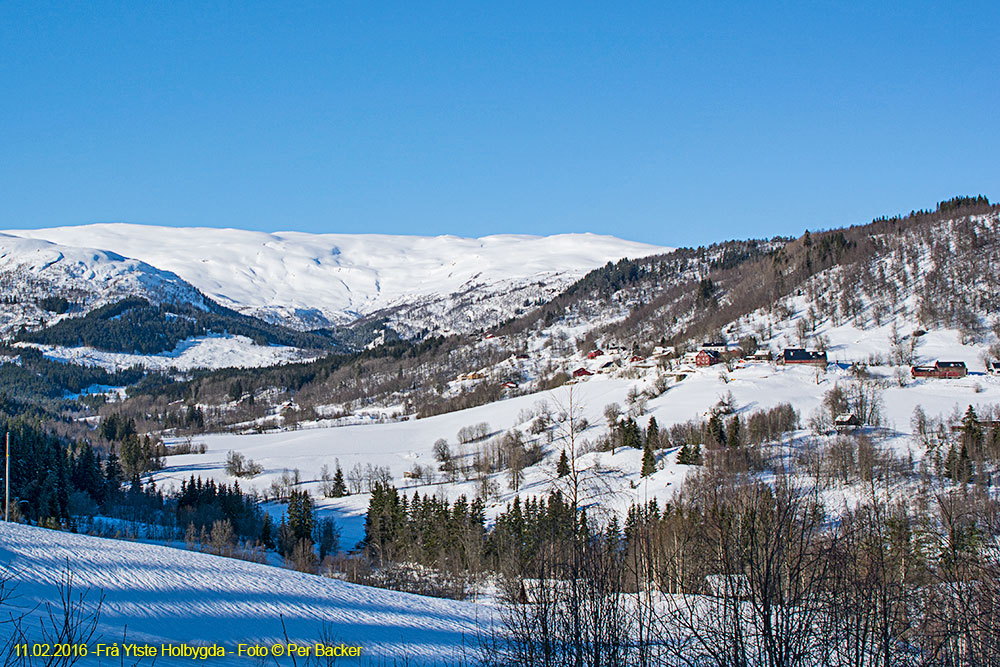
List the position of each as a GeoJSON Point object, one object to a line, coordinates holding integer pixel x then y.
{"type": "Point", "coordinates": [212, 351]}
{"type": "Point", "coordinates": [315, 279]}
{"type": "Point", "coordinates": [32, 269]}
{"type": "Point", "coordinates": [172, 596]}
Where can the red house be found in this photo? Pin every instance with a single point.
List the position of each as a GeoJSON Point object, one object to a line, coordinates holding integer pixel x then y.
{"type": "Point", "coordinates": [707, 358]}
{"type": "Point", "coordinates": [595, 354]}
{"type": "Point", "coordinates": [581, 372]}
{"type": "Point", "coordinates": [951, 369]}
{"type": "Point", "coordinates": [940, 369]}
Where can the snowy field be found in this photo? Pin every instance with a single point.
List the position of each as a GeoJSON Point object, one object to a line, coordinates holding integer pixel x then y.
{"type": "Point", "coordinates": [166, 595]}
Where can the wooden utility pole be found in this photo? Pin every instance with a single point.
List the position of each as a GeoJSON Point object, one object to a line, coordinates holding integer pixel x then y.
{"type": "Point", "coordinates": [6, 483]}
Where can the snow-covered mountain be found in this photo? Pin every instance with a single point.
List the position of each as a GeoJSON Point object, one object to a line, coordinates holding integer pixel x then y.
{"type": "Point", "coordinates": [33, 269]}
{"type": "Point", "coordinates": [442, 283]}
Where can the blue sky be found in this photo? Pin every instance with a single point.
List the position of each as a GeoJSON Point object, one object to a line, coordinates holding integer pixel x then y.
{"type": "Point", "coordinates": [661, 122]}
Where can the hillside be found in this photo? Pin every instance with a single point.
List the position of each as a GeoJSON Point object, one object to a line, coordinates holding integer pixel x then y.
{"type": "Point", "coordinates": [155, 595]}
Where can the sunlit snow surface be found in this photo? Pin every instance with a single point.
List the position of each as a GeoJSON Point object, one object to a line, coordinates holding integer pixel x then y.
{"type": "Point", "coordinates": [167, 595]}
{"type": "Point", "coordinates": [213, 351]}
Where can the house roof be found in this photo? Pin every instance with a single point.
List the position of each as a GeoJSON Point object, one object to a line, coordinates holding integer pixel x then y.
{"type": "Point", "coordinates": [950, 364]}
{"type": "Point", "coordinates": [799, 354]}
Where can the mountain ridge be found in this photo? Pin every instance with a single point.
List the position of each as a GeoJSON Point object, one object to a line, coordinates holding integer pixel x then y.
{"type": "Point", "coordinates": [316, 280]}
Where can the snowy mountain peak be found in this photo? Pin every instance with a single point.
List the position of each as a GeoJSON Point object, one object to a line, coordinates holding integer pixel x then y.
{"type": "Point", "coordinates": [440, 283]}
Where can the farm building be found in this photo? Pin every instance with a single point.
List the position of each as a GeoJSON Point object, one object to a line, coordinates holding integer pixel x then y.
{"type": "Point", "coordinates": [798, 355]}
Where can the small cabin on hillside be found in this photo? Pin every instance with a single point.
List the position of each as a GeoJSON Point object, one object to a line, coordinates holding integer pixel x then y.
{"type": "Point", "coordinates": [595, 353]}
{"type": "Point", "coordinates": [581, 372]}
{"type": "Point", "coordinates": [798, 355]}
{"type": "Point", "coordinates": [846, 421]}
{"type": "Point", "coordinates": [715, 346]}
{"type": "Point", "coordinates": [760, 357]}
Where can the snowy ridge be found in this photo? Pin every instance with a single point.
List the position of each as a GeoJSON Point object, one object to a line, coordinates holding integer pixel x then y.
{"type": "Point", "coordinates": [318, 279]}
{"type": "Point", "coordinates": [167, 595]}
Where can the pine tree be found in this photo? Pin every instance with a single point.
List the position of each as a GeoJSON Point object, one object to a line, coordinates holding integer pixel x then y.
{"type": "Point", "coordinates": [631, 435]}
{"type": "Point", "coordinates": [339, 487]}
{"type": "Point", "coordinates": [300, 515]}
{"type": "Point", "coordinates": [689, 456]}
{"type": "Point", "coordinates": [972, 432]}
{"type": "Point", "coordinates": [86, 473]}
{"type": "Point", "coordinates": [716, 432]}
{"type": "Point", "coordinates": [112, 475]}
{"type": "Point", "coordinates": [648, 460]}
{"type": "Point", "coordinates": [562, 469]}
{"type": "Point", "coordinates": [266, 532]}
{"type": "Point", "coordinates": [653, 434]}
{"type": "Point", "coordinates": [734, 433]}
{"type": "Point", "coordinates": [132, 456]}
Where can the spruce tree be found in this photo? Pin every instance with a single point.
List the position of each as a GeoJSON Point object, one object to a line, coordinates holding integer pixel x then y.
{"type": "Point", "coordinates": [562, 469]}
{"type": "Point", "coordinates": [300, 515]}
{"type": "Point", "coordinates": [734, 433]}
{"type": "Point", "coordinates": [339, 487]}
{"type": "Point", "coordinates": [653, 434]}
{"type": "Point", "coordinates": [112, 475]}
{"type": "Point", "coordinates": [972, 432]}
{"type": "Point", "coordinates": [648, 460]}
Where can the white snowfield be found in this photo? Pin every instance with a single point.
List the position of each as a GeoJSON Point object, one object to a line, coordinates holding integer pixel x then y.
{"type": "Point", "coordinates": [212, 351]}
{"type": "Point", "coordinates": [344, 276]}
{"type": "Point", "coordinates": [173, 596]}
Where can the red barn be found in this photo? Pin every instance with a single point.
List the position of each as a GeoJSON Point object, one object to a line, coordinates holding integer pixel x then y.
{"type": "Point", "coordinates": [581, 372]}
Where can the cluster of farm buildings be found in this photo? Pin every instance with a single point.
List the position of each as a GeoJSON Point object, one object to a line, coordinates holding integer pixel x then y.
{"type": "Point", "coordinates": [611, 359]}
{"type": "Point", "coordinates": [712, 353]}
